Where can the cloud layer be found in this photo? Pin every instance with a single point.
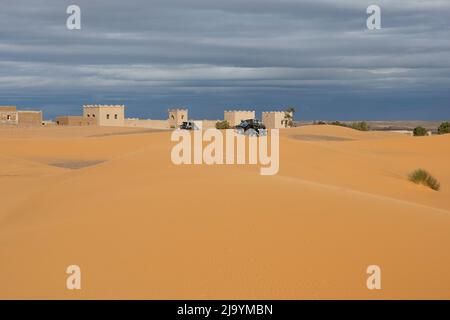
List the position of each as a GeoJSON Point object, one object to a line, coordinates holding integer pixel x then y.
{"type": "Point", "coordinates": [211, 55]}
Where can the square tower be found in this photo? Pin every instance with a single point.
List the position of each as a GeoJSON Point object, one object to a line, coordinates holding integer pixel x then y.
{"type": "Point", "coordinates": [177, 117]}
{"type": "Point", "coordinates": [234, 117]}
{"type": "Point", "coordinates": [105, 115]}
{"type": "Point", "coordinates": [277, 119]}
{"type": "Point", "coordinates": [8, 115]}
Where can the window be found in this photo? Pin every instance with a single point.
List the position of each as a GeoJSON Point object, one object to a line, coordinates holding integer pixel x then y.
{"type": "Point", "coordinates": [8, 117]}
{"type": "Point", "coordinates": [173, 117]}
{"type": "Point", "coordinates": [93, 116]}
{"type": "Point", "coordinates": [115, 116]}
{"type": "Point", "coordinates": [107, 116]}
{"type": "Point", "coordinates": [88, 115]}
{"type": "Point", "coordinates": [182, 116]}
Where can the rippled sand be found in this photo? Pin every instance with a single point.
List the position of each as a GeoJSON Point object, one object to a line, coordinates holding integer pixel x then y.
{"type": "Point", "coordinates": [141, 227]}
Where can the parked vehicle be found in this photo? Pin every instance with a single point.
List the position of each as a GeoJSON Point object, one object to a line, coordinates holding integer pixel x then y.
{"type": "Point", "coordinates": [251, 127]}
{"type": "Point", "coordinates": [188, 125]}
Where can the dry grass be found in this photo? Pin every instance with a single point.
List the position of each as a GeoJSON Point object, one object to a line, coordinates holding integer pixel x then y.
{"type": "Point", "coordinates": [421, 176]}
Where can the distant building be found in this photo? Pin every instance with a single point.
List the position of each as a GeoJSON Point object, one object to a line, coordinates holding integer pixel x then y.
{"type": "Point", "coordinates": [177, 117]}
{"type": "Point", "coordinates": [48, 123]}
{"type": "Point", "coordinates": [9, 115]}
{"type": "Point", "coordinates": [74, 121]}
{"type": "Point", "coordinates": [29, 118]}
{"type": "Point", "coordinates": [105, 115]}
{"type": "Point", "coordinates": [276, 119]}
{"type": "Point", "coordinates": [234, 117]}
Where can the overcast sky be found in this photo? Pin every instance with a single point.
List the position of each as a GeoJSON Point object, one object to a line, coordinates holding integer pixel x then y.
{"type": "Point", "coordinates": [211, 55]}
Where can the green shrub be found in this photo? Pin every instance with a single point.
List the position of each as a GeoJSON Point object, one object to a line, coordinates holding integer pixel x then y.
{"type": "Point", "coordinates": [361, 126]}
{"type": "Point", "coordinates": [420, 132]}
{"type": "Point", "coordinates": [337, 123]}
{"type": "Point", "coordinates": [444, 128]}
{"type": "Point", "coordinates": [421, 176]}
{"type": "Point", "coordinates": [289, 116]}
{"type": "Point", "coordinates": [223, 125]}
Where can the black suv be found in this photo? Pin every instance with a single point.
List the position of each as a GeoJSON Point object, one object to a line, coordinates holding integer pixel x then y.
{"type": "Point", "coordinates": [251, 127]}
{"type": "Point", "coordinates": [188, 125]}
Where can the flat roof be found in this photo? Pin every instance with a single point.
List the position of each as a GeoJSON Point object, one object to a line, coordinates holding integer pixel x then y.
{"type": "Point", "coordinates": [103, 106]}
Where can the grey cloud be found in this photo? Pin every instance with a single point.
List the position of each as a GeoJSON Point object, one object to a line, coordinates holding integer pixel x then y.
{"type": "Point", "coordinates": [164, 51]}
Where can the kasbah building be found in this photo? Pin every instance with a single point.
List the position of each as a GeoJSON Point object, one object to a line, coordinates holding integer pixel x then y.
{"type": "Point", "coordinates": [114, 116]}
{"type": "Point", "coordinates": [9, 115]}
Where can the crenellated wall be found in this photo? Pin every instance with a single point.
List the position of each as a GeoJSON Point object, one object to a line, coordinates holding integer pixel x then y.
{"type": "Point", "coordinates": [234, 117]}
{"type": "Point", "coordinates": [147, 123]}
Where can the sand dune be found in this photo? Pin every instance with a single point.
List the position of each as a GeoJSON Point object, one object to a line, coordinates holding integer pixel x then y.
{"type": "Point", "coordinates": [141, 227]}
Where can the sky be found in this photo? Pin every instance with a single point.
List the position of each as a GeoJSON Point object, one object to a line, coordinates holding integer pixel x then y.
{"type": "Point", "coordinates": [213, 55]}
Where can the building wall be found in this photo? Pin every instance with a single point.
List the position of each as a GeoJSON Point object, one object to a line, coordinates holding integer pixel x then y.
{"type": "Point", "coordinates": [105, 115]}
{"type": "Point", "coordinates": [8, 117]}
{"type": "Point", "coordinates": [29, 118]}
{"type": "Point", "coordinates": [91, 112]}
{"type": "Point", "coordinates": [234, 117]}
{"type": "Point", "coordinates": [208, 124]}
{"type": "Point", "coordinates": [75, 121]}
{"type": "Point", "coordinates": [48, 123]}
{"type": "Point", "coordinates": [163, 124]}
{"type": "Point", "coordinates": [147, 123]}
{"type": "Point", "coordinates": [8, 108]}
{"type": "Point", "coordinates": [177, 117]}
{"type": "Point", "coordinates": [275, 119]}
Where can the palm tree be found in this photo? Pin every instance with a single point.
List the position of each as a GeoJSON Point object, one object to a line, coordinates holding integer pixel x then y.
{"type": "Point", "coordinates": [289, 115]}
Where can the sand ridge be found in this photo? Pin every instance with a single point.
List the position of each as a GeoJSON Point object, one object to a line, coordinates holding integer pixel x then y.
{"type": "Point", "coordinates": [141, 227]}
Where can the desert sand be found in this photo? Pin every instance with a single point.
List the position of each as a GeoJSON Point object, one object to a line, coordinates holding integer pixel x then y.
{"type": "Point", "coordinates": [111, 201]}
